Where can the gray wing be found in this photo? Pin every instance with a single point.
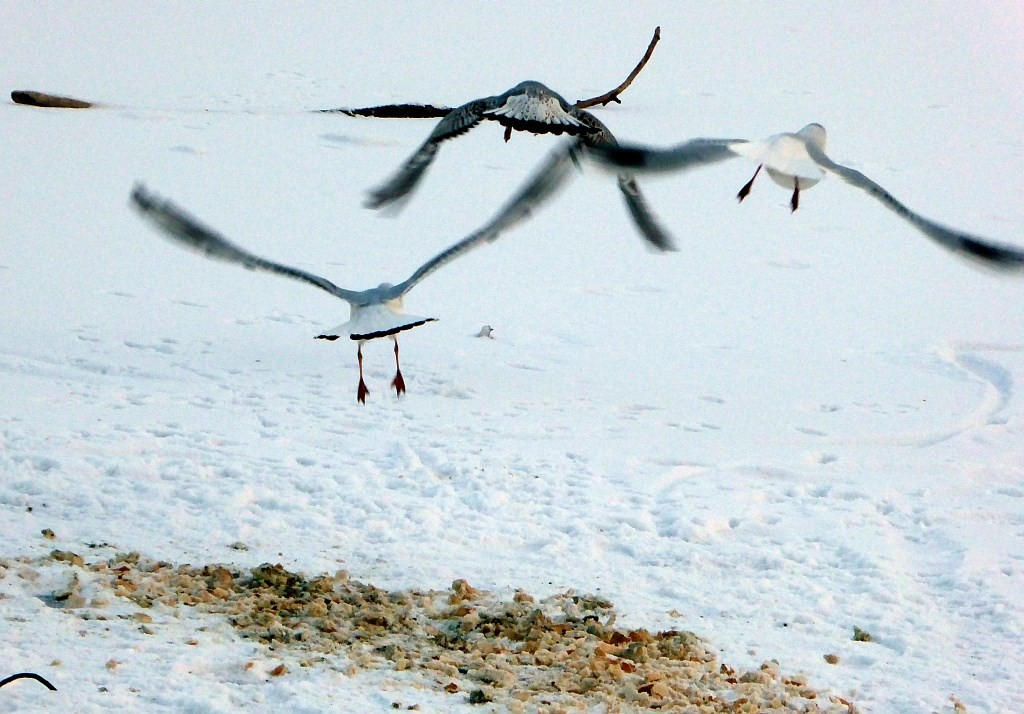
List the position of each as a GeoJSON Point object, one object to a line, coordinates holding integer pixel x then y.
{"type": "Point", "coordinates": [457, 122]}
{"type": "Point", "coordinates": [686, 156]}
{"type": "Point", "coordinates": [981, 249]}
{"type": "Point", "coordinates": [637, 159]}
{"type": "Point", "coordinates": [643, 217]}
{"type": "Point", "coordinates": [646, 222]}
{"type": "Point", "coordinates": [537, 190]}
{"type": "Point", "coordinates": [190, 233]}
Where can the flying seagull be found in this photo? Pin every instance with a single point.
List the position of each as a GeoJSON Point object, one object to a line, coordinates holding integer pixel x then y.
{"type": "Point", "coordinates": [377, 312]}
{"type": "Point", "coordinates": [798, 161]}
{"type": "Point", "coordinates": [532, 107]}
{"type": "Point", "coordinates": [528, 106]}
{"type": "Point", "coordinates": [786, 159]}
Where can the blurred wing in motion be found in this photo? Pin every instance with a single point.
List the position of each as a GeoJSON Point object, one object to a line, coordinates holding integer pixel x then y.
{"type": "Point", "coordinates": [537, 190]}
{"type": "Point", "coordinates": [643, 217]}
{"type": "Point", "coordinates": [457, 122]}
{"type": "Point", "coordinates": [689, 155]}
{"type": "Point", "coordinates": [980, 249]}
{"type": "Point", "coordinates": [190, 233]}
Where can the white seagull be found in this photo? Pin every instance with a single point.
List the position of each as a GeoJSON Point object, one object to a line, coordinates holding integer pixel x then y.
{"type": "Point", "coordinates": [798, 161]}
{"type": "Point", "coordinates": [377, 312]}
{"type": "Point", "coordinates": [528, 106]}
{"type": "Point", "coordinates": [786, 158]}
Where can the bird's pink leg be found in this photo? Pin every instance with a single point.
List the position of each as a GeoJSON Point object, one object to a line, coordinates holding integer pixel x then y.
{"type": "Point", "coordinates": [362, 391]}
{"type": "Point", "coordinates": [748, 185]}
{"type": "Point", "coordinates": [398, 382]}
{"type": "Point", "coordinates": [795, 201]}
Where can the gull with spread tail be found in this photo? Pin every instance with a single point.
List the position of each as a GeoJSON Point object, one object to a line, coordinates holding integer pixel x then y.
{"type": "Point", "coordinates": [376, 312]}
{"type": "Point", "coordinates": [531, 107]}
{"type": "Point", "coordinates": [798, 161]}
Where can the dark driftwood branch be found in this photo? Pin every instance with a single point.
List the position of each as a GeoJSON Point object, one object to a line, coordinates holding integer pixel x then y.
{"type": "Point", "coordinates": [613, 96]}
{"type": "Point", "coordinates": [41, 99]}
{"type": "Point", "coordinates": [29, 675]}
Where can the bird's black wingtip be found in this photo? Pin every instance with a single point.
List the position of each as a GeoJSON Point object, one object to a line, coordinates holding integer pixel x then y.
{"type": "Point", "coordinates": [374, 201]}
{"type": "Point", "coordinates": [624, 156]}
{"type": "Point", "coordinates": [386, 203]}
{"type": "Point", "coordinates": [141, 198]}
{"type": "Point", "coordinates": [996, 256]}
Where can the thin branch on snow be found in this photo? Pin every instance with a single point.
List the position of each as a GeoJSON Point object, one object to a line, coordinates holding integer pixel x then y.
{"type": "Point", "coordinates": [613, 96]}
{"type": "Point", "coordinates": [29, 675]}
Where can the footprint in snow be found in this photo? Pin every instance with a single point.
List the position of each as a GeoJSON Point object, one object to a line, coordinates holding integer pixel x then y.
{"type": "Point", "coordinates": [166, 349]}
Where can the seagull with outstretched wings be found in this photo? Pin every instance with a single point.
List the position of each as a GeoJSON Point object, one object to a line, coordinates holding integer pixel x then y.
{"type": "Point", "coordinates": [798, 161]}
{"type": "Point", "coordinates": [376, 312]}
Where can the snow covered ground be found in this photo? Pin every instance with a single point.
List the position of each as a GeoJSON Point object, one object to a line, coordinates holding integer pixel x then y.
{"type": "Point", "coordinates": [797, 425]}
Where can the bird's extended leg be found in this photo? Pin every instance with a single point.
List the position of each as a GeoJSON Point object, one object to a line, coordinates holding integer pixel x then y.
{"type": "Point", "coordinates": [508, 133]}
{"type": "Point", "coordinates": [362, 391]}
{"type": "Point", "coordinates": [748, 185]}
{"type": "Point", "coordinates": [398, 382]}
{"type": "Point", "coordinates": [795, 201]}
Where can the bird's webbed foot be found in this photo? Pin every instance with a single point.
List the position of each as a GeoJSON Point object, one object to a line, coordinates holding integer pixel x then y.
{"type": "Point", "coordinates": [745, 191]}
{"type": "Point", "coordinates": [398, 383]}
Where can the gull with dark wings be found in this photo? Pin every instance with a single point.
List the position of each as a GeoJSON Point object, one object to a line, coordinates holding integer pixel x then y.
{"type": "Point", "coordinates": [532, 107]}
{"type": "Point", "coordinates": [798, 161]}
{"type": "Point", "coordinates": [377, 312]}
{"type": "Point", "coordinates": [529, 106]}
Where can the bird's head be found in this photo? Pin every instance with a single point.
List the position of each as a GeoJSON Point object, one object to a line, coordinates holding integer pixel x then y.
{"type": "Point", "coordinates": [531, 88]}
{"type": "Point", "coordinates": [813, 134]}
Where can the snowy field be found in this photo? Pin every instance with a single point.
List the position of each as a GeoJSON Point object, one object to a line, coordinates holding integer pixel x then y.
{"type": "Point", "coordinates": [795, 426]}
